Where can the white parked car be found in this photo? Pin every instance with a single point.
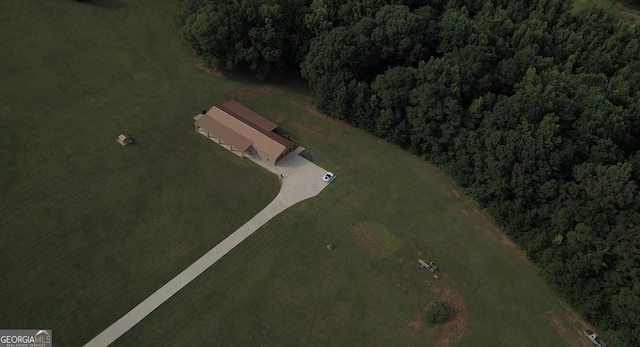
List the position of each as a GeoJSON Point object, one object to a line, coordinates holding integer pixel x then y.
{"type": "Point", "coordinates": [328, 177]}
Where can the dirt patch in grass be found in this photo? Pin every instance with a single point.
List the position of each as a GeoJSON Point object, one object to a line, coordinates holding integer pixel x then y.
{"type": "Point", "coordinates": [244, 94]}
{"type": "Point", "coordinates": [496, 235]}
{"type": "Point", "coordinates": [200, 65]}
{"type": "Point", "coordinates": [333, 121]}
{"type": "Point", "coordinates": [568, 335]}
{"type": "Point", "coordinates": [493, 232]}
{"type": "Point", "coordinates": [500, 237]}
{"type": "Point", "coordinates": [632, 11]}
{"type": "Point", "coordinates": [569, 325]}
{"type": "Point", "coordinates": [365, 237]}
{"type": "Point", "coordinates": [416, 322]}
{"type": "Point", "coordinates": [315, 112]}
{"type": "Point", "coordinates": [448, 333]}
{"type": "Point", "coordinates": [300, 129]}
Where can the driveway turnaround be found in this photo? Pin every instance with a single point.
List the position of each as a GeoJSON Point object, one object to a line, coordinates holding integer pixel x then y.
{"type": "Point", "coordinates": [301, 179]}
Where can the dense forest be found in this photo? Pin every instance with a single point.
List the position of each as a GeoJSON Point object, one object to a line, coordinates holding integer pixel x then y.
{"type": "Point", "coordinates": [532, 109]}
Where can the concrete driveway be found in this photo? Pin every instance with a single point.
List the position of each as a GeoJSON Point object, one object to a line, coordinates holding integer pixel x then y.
{"type": "Point", "coordinates": [301, 180]}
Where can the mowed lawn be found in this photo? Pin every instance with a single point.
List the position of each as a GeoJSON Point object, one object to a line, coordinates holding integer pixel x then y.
{"type": "Point", "coordinates": [386, 209]}
{"type": "Point", "coordinates": [626, 12]}
{"type": "Point", "coordinates": [91, 228]}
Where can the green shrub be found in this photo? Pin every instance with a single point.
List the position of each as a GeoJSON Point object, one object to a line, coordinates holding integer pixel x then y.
{"type": "Point", "coordinates": [438, 312]}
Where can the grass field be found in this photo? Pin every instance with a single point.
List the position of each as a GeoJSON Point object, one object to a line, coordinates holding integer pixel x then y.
{"type": "Point", "coordinates": [625, 12]}
{"type": "Point", "coordinates": [90, 228]}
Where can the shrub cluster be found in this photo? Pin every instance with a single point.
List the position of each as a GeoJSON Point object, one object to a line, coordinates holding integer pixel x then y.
{"type": "Point", "coordinates": [438, 312]}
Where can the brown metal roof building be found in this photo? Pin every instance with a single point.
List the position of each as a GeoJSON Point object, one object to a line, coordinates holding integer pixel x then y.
{"type": "Point", "coordinates": [244, 132]}
{"type": "Point", "coordinates": [239, 111]}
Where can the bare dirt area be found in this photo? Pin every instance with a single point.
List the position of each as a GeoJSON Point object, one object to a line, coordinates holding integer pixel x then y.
{"type": "Point", "coordinates": [572, 327]}
{"type": "Point", "coordinates": [244, 93]}
{"type": "Point", "coordinates": [454, 330]}
{"type": "Point", "coordinates": [368, 240]}
{"type": "Point", "coordinates": [200, 65]}
{"type": "Point", "coordinates": [493, 232]}
{"type": "Point", "coordinates": [317, 113]}
{"type": "Point", "coordinates": [500, 237]}
{"type": "Point", "coordinates": [633, 11]}
{"type": "Point", "coordinates": [416, 322]}
{"type": "Point", "coordinates": [302, 129]}
{"type": "Point", "coordinates": [496, 235]}
{"type": "Point", "coordinates": [309, 108]}
{"type": "Point", "coordinates": [445, 334]}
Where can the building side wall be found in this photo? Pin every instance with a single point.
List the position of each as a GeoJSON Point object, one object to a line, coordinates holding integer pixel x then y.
{"type": "Point", "coordinates": [256, 153]}
{"type": "Point", "coordinates": [221, 142]}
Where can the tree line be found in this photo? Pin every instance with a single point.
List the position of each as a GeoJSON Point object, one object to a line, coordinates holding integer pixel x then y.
{"type": "Point", "coordinates": [532, 109]}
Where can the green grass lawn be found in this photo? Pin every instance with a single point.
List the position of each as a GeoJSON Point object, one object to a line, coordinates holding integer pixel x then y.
{"type": "Point", "coordinates": [90, 228]}
{"type": "Point", "coordinates": [626, 12]}
{"type": "Point", "coordinates": [385, 210]}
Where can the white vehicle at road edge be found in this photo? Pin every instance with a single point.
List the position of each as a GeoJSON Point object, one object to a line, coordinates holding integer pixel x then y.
{"type": "Point", "coordinates": [328, 177]}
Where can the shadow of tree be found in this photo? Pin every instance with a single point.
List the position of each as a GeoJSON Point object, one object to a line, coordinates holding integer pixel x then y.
{"type": "Point", "coordinates": [109, 4]}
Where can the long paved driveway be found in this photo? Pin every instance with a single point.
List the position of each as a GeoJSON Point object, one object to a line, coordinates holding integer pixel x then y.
{"type": "Point", "coordinates": [301, 180]}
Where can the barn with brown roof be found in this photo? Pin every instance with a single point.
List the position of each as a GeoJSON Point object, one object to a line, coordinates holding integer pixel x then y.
{"type": "Point", "coordinates": [244, 132]}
